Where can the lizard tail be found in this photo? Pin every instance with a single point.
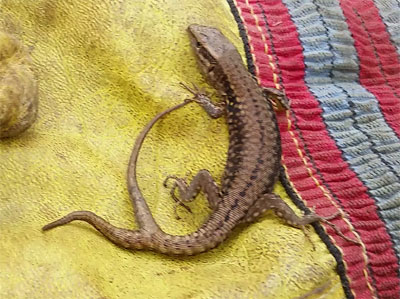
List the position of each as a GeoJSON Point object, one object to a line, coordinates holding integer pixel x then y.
{"type": "Point", "coordinates": [158, 241]}
{"type": "Point", "coordinates": [135, 239]}
{"type": "Point", "coordinates": [149, 235]}
{"type": "Point", "coordinates": [144, 218]}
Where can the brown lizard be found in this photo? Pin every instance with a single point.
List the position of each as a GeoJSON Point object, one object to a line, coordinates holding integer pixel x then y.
{"type": "Point", "coordinates": [251, 169]}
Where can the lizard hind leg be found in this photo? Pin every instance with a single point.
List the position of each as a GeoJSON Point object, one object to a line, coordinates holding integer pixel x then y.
{"type": "Point", "coordinates": [274, 202]}
{"type": "Point", "coordinates": [188, 192]}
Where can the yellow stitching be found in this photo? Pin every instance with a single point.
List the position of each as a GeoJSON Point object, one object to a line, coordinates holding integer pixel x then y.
{"type": "Point", "coordinates": [333, 240]}
{"type": "Point", "coordinates": [317, 183]}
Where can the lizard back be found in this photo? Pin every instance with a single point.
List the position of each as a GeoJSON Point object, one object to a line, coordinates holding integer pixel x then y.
{"type": "Point", "coordinates": [252, 164]}
{"type": "Point", "coordinates": [251, 169]}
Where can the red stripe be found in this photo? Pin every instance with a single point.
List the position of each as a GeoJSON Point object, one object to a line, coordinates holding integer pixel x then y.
{"type": "Point", "coordinates": [379, 61]}
{"type": "Point", "coordinates": [349, 191]}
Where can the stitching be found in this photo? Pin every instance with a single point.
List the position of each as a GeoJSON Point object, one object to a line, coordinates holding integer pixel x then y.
{"type": "Point", "coordinates": [288, 114]}
{"type": "Point", "coordinates": [324, 191]}
{"type": "Point", "coordinates": [385, 22]}
{"type": "Point", "coordinates": [290, 189]}
{"type": "Point", "coordinates": [381, 70]}
{"type": "Point", "coordinates": [290, 129]}
{"type": "Point", "coordinates": [364, 253]}
{"type": "Point", "coordinates": [327, 195]}
{"type": "Point", "coordinates": [243, 34]}
{"type": "Point", "coordinates": [255, 70]}
{"type": "Point", "coordinates": [359, 128]}
{"type": "Point", "coordinates": [375, 51]}
{"type": "Point", "coordinates": [349, 98]}
{"type": "Point", "coordinates": [270, 59]}
{"type": "Point", "coordinates": [279, 73]}
{"type": "Point", "coordinates": [370, 39]}
{"type": "Point", "coordinates": [336, 251]}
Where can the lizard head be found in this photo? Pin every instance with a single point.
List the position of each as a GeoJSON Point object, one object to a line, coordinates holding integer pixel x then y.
{"type": "Point", "coordinates": [209, 43]}
{"type": "Point", "coordinates": [212, 49]}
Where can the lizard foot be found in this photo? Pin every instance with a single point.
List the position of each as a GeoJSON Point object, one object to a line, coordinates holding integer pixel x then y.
{"type": "Point", "coordinates": [178, 202]}
{"type": "Point", "coordinates": [195, 90]}
{"type": "Point", "coordinates": [203, 99]}
{"type": "Point", "coordinates": [327, 219]}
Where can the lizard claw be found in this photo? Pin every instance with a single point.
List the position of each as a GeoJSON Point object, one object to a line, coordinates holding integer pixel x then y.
{"type": "Point", "coordinates": [335, 228]}
{"type": "Point", "coordinates": [169, 177]}
{"type": "Point", "coordinates": [195, 90]}
{"type": "Point", "coordinates": [198, 93]}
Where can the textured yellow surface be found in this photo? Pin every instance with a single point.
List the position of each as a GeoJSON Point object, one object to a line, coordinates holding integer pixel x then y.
{"type": "Point", "coordinates": [105, 68]}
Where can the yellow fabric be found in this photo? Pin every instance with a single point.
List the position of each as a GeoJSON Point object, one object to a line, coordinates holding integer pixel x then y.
{"type": "Point", "coordinates": [105, 68]}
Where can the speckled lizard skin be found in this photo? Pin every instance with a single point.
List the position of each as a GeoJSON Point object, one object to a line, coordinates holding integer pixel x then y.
{"type": "Point", "coordinates": [251, 169]}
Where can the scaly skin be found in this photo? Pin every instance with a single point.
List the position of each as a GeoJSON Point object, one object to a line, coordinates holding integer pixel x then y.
{"type": "Point", "coordinates": [251, 170]}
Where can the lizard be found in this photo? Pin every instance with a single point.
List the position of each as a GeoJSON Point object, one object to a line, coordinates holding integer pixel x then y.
{"type": "Point", "coordinates": [252, 165]}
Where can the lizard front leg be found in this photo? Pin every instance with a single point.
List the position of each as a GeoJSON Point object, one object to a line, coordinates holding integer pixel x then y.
{"type": "Point", "coordinates": [201, 98]}
{"type": "Point", "coordinates": [277, 98]}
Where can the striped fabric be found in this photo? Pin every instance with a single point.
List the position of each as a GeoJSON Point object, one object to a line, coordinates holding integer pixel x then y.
{"type": "Point", "coordinates": [338, 62]}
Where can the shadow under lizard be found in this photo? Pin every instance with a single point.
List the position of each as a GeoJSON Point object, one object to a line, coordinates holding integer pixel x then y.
{"type": "Point", "coordinates": [251, 170]}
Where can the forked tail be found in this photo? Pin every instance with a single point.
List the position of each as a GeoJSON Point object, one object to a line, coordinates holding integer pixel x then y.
{"type": "Point", "coordinates": [149, 235]}
{"type": "Point", "coordinates": [144, 218]}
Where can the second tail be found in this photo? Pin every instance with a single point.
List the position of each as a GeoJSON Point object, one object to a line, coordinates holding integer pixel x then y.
{"type": "Point", "coordinates": [149, 235]}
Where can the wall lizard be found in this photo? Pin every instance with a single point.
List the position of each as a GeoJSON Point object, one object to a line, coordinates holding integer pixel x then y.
{"type": "Point", "coordinates": [251, 170]}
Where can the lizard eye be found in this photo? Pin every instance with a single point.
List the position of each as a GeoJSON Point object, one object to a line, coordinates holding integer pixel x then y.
{"type": "Point", "coordinates": [198, 44]}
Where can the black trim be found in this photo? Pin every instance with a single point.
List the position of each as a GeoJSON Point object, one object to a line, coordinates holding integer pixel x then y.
{"type": "Point", "coordinates": [341, 269]}
{"type": "Point", "coordinates": [243, 35]}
